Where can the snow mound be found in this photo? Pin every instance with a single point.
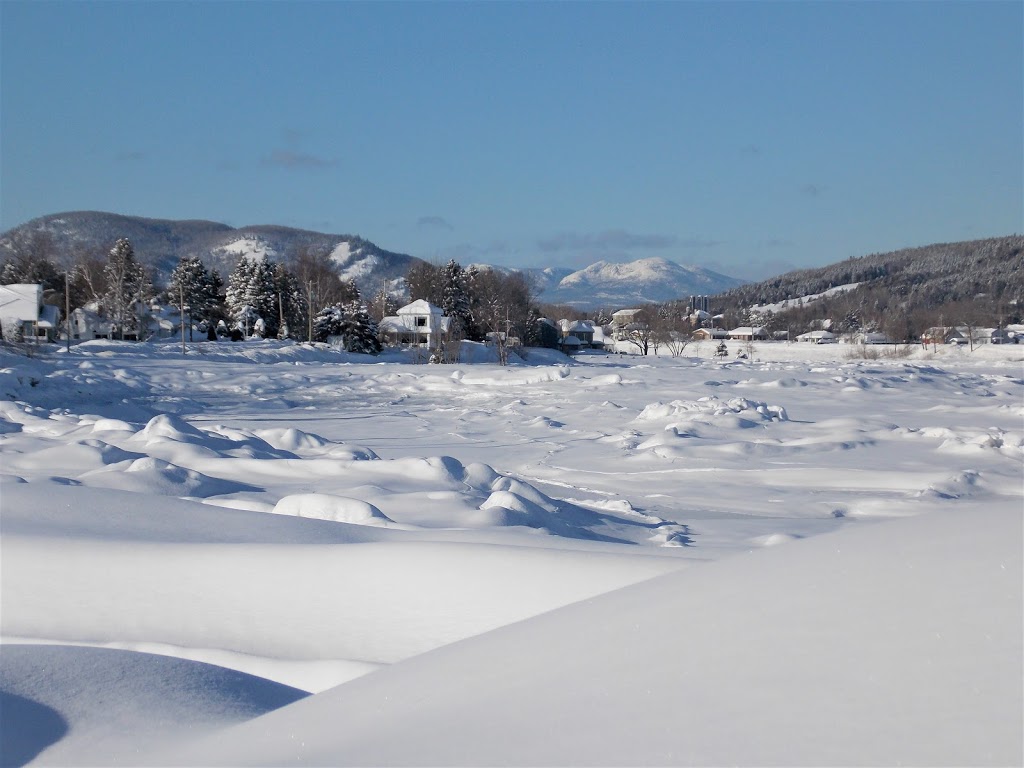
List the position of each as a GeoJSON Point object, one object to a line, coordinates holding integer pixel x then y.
{"type": "Point", "coordinates": [516, 377]}
{"type": "Point", "coordinates": [322, 506]}
{"type": "Point", "coordinates": [152, 476]}
{"type": "Point", "coordinates": [660, 674]}
{"type": "Point", "coordinates": [95, 706]}
{"type": "Point", "coordinates": [291, 439]}
{"type": "Point", "coordinates": [714, 407]}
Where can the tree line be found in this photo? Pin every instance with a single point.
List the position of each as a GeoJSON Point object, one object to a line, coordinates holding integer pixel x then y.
{"type": "Point", "coordinates": [303, 299]}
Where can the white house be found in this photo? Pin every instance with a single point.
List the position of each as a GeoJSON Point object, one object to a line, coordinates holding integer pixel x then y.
{"type": "Point", "coordinates": [420, 323]}
{"type": "Point", "coordinates": [622, 319]}
{"type": "Point", "coordinates": [992, 336]}
{"type": "Point", "coordinates": [747, 333]}
{"type": "Point", "coordinates": [944, 334]}
{"type": "Point", "coordinates": [707, 334]}
{"type": "Point", "coordinates": [580, 329]}
{"type": "Point", "coordinates": [873, 337]}
{"type": "Point", "coordinates": [86, 323]}
{"type": "Point", "coordinates": [817, 337]}
{"type": "Point", "coordinates": [23, 304]}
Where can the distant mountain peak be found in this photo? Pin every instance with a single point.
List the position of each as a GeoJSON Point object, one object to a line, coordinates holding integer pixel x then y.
{"type": "Point", "coordinates": [643, 281]}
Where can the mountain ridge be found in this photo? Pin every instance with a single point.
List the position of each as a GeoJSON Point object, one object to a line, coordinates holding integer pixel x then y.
{"type": "Point", "coordinates": [160, 243]}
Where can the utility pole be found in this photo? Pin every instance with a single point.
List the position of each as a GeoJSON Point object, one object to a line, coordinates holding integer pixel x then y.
{"type": "Point", "coordinates": [181, 313]}
{"type": "Point", "coordinates": [67, 309]}
{"type": "Point", "coordinates": [309, 310]}
{"type": "Point", "coordinates": [280, 309]}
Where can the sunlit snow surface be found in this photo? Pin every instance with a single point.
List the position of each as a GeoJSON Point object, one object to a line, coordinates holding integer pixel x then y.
{"type": "Point", "coordinates": [304, 518]}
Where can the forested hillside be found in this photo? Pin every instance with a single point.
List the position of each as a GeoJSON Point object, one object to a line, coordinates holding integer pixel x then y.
{"type": "Point", "coordinates": [161, 243]}
{"type": "Point", "coordinates": [980, 282]}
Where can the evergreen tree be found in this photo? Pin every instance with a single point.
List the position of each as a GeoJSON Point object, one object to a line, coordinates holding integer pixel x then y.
{"type": "Point", "coordinates": [852, 321]}
{"type": "Point", "coordinates": [252, 296]}
{"type": "Point", "coordinates": [127, 286]}
{"type": "Point", "coordinates": [360, 330]}
{"type": "Point", "coordinates": [291, 303]}
{"type": "Point", "coordinates": [455, 299]}
{"type": "Point", "coordinates": [352, 323]}
{"type": "Point", "coordinates": [328, 322]}
{"type": "Point", "coordinates": [192, 283]}
{"type": "Point", "coordinates": [531, 333]}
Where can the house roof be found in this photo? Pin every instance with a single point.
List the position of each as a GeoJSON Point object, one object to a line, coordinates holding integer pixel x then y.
{"type": "Point", "coordinates": [817, 335]}
{"type": "Point", "coordinates": [578, 326]}
{"type": "Point", "coordinates": [746, 330]}
{"type": "Point", "coordinates": [21, 301]}
{"type": "Point", "coordinates": [420, 307]}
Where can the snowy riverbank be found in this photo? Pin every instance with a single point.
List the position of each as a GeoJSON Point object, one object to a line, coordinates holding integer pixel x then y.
{"type": "Point", "coordinates": [608, 559]}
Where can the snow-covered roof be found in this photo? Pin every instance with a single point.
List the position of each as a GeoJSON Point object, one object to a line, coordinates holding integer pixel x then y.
{"type": "Point", "coordinates": [420, 307]}
{"type": "Point", "coordinates": [576, 326]}
{"type": "Point", "coordinates": [817, 335]}
{"type": "Point", "coordinates": [571, 341]}
{"type": "Point", "coordinates": [746, 330]}
{"type": "Point", "coordinates": [624, 314]}
{"type": "Point", "coordinates": [391, 324]}
{"type": "Point", "coordinates": [21, 301]}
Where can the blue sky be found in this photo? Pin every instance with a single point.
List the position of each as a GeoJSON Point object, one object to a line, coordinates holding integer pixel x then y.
{"type": "Point", "coordinates": [748, 137]}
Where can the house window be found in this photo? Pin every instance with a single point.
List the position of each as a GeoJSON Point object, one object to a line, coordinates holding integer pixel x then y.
{"type": "Point", "coordinates": [421, 322]}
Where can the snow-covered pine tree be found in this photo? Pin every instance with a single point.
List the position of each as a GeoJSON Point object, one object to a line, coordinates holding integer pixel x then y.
{"type": "Point", "coordinates": [455, 298]}
{"type": "Point", "coordinates": [127, 286]}
{"type": "Point", "coordinates": [531, 333]}
{"type": "Point", "coordinates": [852, 321]}
{"type": "Point", "coordinates": [328, 322]}
{"type": "Point", "coordinates": [291, 304]}
{"type": "Point", "coordinates": [215, 291]}
{"type": "Point", "coordinates": [191, 281]}
{"type": "Point", "coordinates": [352, 322]}
{"type": "Point", "coordinates": [359, 330]}
{"type": "Point", "coordinates": [252, 295]}
{"type": "Point", "coordinates": [237, 298]}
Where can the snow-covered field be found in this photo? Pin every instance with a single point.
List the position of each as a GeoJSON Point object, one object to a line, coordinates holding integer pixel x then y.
{"type": "Point", "coordinates": [270, 553]}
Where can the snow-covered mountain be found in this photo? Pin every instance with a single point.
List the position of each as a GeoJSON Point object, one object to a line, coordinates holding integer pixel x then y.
{"type": "Point", "coordinates": [160, 243]}
{"type": "Point", "coordinates": [609, 284]}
